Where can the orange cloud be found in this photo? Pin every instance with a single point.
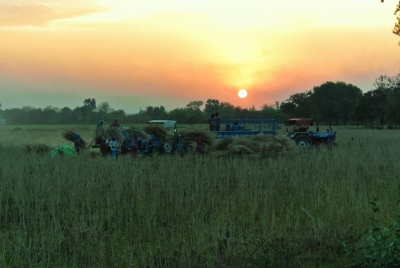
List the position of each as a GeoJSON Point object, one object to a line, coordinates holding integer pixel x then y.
{"type": "Point", "coordinates": [30, 14]}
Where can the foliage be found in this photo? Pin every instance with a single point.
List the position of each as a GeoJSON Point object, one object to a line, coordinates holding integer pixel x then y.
{"type": "Point", "coordinates": [298, 105]}
{"type": "Point", "coordinates": [378, 245]}
{"type": "Point", "coordinates": [396, 29]}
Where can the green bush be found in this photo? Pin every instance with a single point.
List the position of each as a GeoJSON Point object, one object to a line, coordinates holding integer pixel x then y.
{"type": "Point", "coordinates": [376, 246]}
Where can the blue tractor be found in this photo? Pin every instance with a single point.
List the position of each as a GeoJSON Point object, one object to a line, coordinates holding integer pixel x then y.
{"type": "Point", "coordinates": [298, 130]}
{"type": "Point", "coordinates": [246, 127]}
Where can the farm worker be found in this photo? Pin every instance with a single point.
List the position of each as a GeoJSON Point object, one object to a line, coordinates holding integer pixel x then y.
{"type": "Point", "coordinates": [199, 144]}
{"type": "Point", "coordinates": [113, 146]}
{"type": "Point", "coordinates": [135, 146]}
{"type": "Point", "coordinates": [235, 126]}
{"type": "Point", "coordinates": [98, 131]}
{"type": "Point", "coordinates": [217, 121]}
{"type": "Point", "coordinates": [77, 143]}
{"type": "Point", "coordinates": [180, 145]}
{"type": "Point", "coordinates": [103, 147]}
{"type": "Point", "coordinates": [211, 122]}
{"type": "Point", "coordinates": [155, 141]}
{"type": "Point", "coordinates": [115, 123]}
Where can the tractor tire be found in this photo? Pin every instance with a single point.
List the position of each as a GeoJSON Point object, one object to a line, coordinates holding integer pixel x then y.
{"type": "Point", "coordinates": [303, 142]}
{"type": "Point", "coordinates": [167, 146]}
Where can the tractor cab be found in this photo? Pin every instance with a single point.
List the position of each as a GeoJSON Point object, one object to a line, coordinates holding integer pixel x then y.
{"type": "Point", "coordinates": [298, 125]}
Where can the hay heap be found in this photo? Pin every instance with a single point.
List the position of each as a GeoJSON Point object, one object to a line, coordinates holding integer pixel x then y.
{"type": "Point", "coordinates": [223, 144]}
{"type": "Point", "coordinates": [158, 131]}
{"type": "Point", "coordinates": [115, 132]}
{"type": "Point", "coordinates": [190, 133]}
{"type": "Point", "coordinates": [70, 136]}
{"type": "Point", "coordinates": [40, 148]}
{"type": "Point", "coordinates": [262, 146]}
{"type": "Point", "coordinates": [134, 131]}
{"type": "Point", "coordinates": [107, 133]}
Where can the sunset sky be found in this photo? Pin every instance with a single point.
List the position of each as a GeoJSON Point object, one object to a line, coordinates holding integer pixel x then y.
{"type": "Point", "coordinates": [137, 53]}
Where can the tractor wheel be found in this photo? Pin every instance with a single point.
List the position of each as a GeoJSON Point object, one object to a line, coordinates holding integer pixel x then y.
{"type": "Point", "coordinates": [303, 142]}
{"type": "Point", "coordinates": [167, 147]}
{"type": "Point", "coordinates": [188, 148]}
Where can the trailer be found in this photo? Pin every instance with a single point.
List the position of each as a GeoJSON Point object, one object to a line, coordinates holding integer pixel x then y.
{"type": "Point", "coordinates": [247, 127]}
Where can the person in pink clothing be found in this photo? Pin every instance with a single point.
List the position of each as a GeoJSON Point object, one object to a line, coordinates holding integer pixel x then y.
{"type": "Point", "coordinates": [115, 123]}
{"type": "Point", "coordinates": [134, 148]}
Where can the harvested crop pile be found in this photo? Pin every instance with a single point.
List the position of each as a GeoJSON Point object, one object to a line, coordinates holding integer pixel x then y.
{"type": "Point", "coordinates": [190, 133]}
{"type": "Point", "coordinates": [99, 134]}
{"type": "Point", "coordinates": [107, 133]}
{"type": "Point", "coordinates": [115, 132]}
{"type": "Point", "coordinates": [256, 146]}
{"type": "Point", "coordinates": [40, 148]}
{"type": "Point", "coordinates": [158, 131]}
{"type": "Point", "coordinates": [207, 136]}
{"type": "Point", "coordinates": [138, 132]}
{"type": "Point", "coordinates": [70, 136]}
{"type": "Point", "coordinates": [223, 144]}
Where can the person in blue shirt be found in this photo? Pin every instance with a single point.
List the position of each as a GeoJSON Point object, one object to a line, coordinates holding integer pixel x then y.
{"type": "Point", "coordinates": [77, 143]}
{"type": "Point", "coordinates": [235, 126]}
{"type": "Point", "coordinates": [155, 141]}
{"type": "Point", "coordinates": [113, 147]}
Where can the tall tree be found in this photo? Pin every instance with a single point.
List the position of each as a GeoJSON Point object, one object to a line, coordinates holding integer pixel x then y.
{"type": "Point", "coordinates": [298, 105]}
{"type": "Point", "coordinates": [104, 108]}
{"type": "Point", "coordinates": [90, 104]}
{"type": "Point", "coordinates": [211, 106]}
{"type": "Point", "coordinates": [335, 101]}
{"type": "Point", "coordinates": [194, 105]}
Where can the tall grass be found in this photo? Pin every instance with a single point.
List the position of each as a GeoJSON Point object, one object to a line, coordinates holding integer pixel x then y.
{"type": "Point", "coordinates": [170, 211]}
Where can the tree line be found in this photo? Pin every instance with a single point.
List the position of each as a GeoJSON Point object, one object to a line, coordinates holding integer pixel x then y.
{"type": "Point", "coordinates": [91, 112]}
{"type": "Point", "coordinates": [332, 103]}
{"type": "Point", "coordinates": [340, 103]}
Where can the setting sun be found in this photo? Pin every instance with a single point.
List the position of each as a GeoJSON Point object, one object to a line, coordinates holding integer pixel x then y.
{"type": "Point", "coordinates": [242, 93]}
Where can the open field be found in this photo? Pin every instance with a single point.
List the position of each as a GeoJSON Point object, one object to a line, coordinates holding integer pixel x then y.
{"type": "Point", "coordinates": [168, 211]}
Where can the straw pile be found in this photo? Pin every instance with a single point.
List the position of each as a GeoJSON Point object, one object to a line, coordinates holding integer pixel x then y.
{"type": "Point", "coordinates": [40, 148]}
{"type": "Point", "coordinates": [115, 132]}
{"type": "Point", "coordinates": [158, 131]}
{"type": "Point", "coordinates": [263, 146]}
{"type": "Point", "coordinates": [208, 137]}
{"type": "Point", "coordinates": [138, 132]}
{"type": "Point", "coordinates": [106, 134]}
{"type": "Point", "coordinates": [70, 136]}
{"type": "Point", "coordinates": [189, 135]}
{"type": "Point", "coordinates": [223, 144]}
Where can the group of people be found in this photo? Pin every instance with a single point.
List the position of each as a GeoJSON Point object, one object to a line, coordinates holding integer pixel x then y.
{"type": "Point", "coordinates": [214, 121]}
{"type": "Point", "coordinates": [114, 148]}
